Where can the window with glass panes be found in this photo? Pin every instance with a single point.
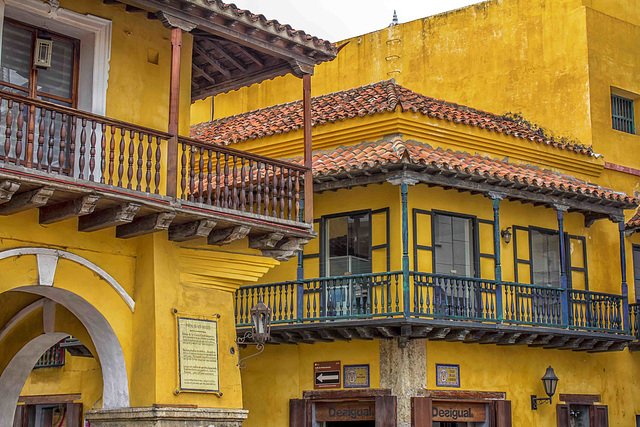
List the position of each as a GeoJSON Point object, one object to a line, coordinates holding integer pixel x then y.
{"type": "Point", "coordinates": [453, 245]}
{"type": "Point", "coordinates": [545, 257]}
{"type": "Point", "coordinates": [347, 244]}
{"type": "Point", "coordinates": [622, 114]}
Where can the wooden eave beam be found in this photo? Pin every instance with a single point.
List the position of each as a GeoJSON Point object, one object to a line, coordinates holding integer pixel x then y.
{"type": "Point", "coordinates": [7, 189]}
{"type": "Point", "coordinates": [70, 209]}
{"type": "Point", "coordinates": [153, 223]}
{"type": "Point", "coordinates": [229, 58]}
{"type": "Point", "coordinates": [191, 230]}
{"type": "Point", "coordinates": [238, 35]}
{"type": "Point", "coordinates": [211, 60]}
{"type": "Point", "coordinates": [27, 200]}
{"type": "Point", "coordinates": [110, 217]}
{"type": "Point", "coordinates": [251, 56]}
{"type": "Point", "coordinates": [203, 73]}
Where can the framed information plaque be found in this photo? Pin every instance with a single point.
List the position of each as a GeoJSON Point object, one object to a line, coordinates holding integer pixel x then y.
{"type": "Point", "coordinates": [197, 355]}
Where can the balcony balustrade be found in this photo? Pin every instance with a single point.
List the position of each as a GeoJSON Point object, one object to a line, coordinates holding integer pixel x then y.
{"type": "Point", "coordinates": [470, 303]}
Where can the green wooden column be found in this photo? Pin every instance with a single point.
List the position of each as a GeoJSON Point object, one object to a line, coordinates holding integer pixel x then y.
{"type": "Point", "coordinates": [496, 197]}
{"type": "Point", "coordinates": [566, 310]}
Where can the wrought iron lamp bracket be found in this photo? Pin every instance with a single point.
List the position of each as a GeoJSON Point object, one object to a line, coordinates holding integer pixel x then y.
{"type": "Point", "coordinates": [535, 400]}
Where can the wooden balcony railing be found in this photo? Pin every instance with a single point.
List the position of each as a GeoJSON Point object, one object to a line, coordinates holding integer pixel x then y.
{"type": "Point", "coordinates": [52, 358]}
{"type": "Point", "coordinates": [634, 319]}
{"type": "Point", "coordinates": [380, 295]}
{"type": "Point", "coordinates": [64, 141]}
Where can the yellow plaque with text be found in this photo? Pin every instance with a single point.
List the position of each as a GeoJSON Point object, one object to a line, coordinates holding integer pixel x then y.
{"type": "Point", "coordinates": [198, 355]}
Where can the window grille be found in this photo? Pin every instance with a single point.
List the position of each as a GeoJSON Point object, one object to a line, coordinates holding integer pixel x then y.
{"type": "Point", "coordinates": [52, 358]}
{"type": "Point", "coordinates": [622, 114]}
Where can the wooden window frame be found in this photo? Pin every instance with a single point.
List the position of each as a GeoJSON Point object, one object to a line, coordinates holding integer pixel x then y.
{"type": "Point", "coordinates": [32, 91]}
{"type": "Point", "coordinates": [322, 267]}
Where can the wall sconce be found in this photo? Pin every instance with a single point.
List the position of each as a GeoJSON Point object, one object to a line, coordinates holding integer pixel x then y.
{"type": "Point", "coordinates": [43, 51]}
{"type": "Point", "coordinates": [506, 235]}
{"type": "Point", "coordinates": [550, 382]}
{"type": "Point", "coordinates": [260, 330]}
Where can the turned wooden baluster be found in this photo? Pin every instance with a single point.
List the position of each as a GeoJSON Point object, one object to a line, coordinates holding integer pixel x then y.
{"type": "Point", "coordinates": [92, 152]}
{"type": "Point", "coordinates": [290, 193]}
{"type": "Point", "coordinates": [266, 189]}
{"type": "Point", "coordinates": [274, 192]}
{"type": "Point", "coordinates": [8, 131]}
{"type": "Point", "coordinates": [251, 185]}
{"type": "Point", "coordinates": [209, 184]}
{"type": "Point", "coordinates": [158, 155]}
{"type": "Point", "coordinates": [72, 145]}
{"type": "Point", "coordinates": [63, 143]}
{"type": "Point", "coordinates": [103, 152]}
{"type": "Point", "coordinates": [192, 173]}
{"type": "Point", "coordinates": [140, 161]}
{"type": "Point", "coordinates": [282, 192]}
{"type": "Point", "coordinates": [235, 183]}
{"type": "Point", "coordinates": [183, 171]}
{"type": "Point", "coordinates": [52, 136]}
{"type": "Point", "coordinates": [112, 153]}
{"type": "Point", "coordinates": [83, 149]}
{"type": "Point", "coordinates": [31, 127]}
{"type": "Point", "coordinates": [226, 181]}
{"type": "Point", "coordinates": [149, 162]}
{"type": "Point", "coordinates": [259, 188]}
{"type": "Point", "coordinates": [132, 137]}
{"type": "Point", "coordinates": [218, 179]}
{"type": "Point", "coordinates": [41, 132]}
{"type": "Point", "coordinates": [123, 133]}
{"type": "Point", "coordinates": [297, 195]}
{"type": "Point", "coordinates": [201, 176]}
{"type": "Point", "coordinates": [243, 191]}
{"type": "Point", "coordinates": [19, 133]}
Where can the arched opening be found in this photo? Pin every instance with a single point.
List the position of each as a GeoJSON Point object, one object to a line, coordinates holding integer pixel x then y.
{"type": "Point", "coordinates": [107, 347]}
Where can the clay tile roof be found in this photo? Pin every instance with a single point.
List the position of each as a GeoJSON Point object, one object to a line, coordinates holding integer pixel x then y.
{"type": "Point", "coordinates": [634, 223]}
{"type": "Point", "coordinates": [395, 151]}
{"type": "Point", "coordinates": [363, 101]}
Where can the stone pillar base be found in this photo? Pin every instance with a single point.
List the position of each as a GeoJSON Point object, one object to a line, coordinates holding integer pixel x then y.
{"type": "Point", "coordinates": [167, 417]}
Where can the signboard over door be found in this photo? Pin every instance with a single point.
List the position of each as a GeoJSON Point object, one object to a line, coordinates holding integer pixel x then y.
{"type": "Point", "coordinates": [326, 375]}
{"type": "Point", "coordinates": [458, 411]}
{"type": "Point", "coordinates": [197, 355]}
{"type": "Point", "coordinates": [346, 411]}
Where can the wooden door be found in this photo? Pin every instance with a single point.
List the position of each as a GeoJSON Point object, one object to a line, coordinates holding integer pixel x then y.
{"type": "Point", "coordinates": [599, 416]}
{"type": "Point", "coordinates": [503, 413]}
{"type": "Point", "coordinates": [562, 415]}
{"type": "Point", "coordinates": [386, 412]}
{"type": "Point", "coordinates": [421, 412]}
{"type": "Point", "coordinates": [297, 413]}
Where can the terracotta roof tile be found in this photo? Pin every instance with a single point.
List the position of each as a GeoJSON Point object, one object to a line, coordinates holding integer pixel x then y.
{"type": "Point", "coordinates": [634, 222]}
{"type": "Point", "coordinates": [371, 155]}
{"type": "Point", "coordinates": [366, 100]}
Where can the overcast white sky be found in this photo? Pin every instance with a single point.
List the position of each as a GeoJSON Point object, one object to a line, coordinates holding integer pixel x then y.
{"type": "Point", "coordinates": [337, 20]}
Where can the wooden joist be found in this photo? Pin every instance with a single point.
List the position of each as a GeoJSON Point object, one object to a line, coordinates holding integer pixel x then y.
{"type": "Point", "coordinates": [69, 209]}
{"type": "Point", "coordinates": [265, 241]}
{"type": "Point", "coordinates": [8, 189]}
{"type": "Point", "coordinates": [224, 236]}
{"type": "Point", "coordinates": [145, 225]}
{"type": "Point", "coordinates": [110, 217]}
{"type": "Point", "coordinates": [191, 230]}
{"type": "Point", "coordinates": [27, 200]}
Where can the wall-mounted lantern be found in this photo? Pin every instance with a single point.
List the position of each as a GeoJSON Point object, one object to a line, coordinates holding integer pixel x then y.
{"type": "Point", "coordinates": [506, 235]}
{"type": "Point", "coordinates": [260, 331]}
{"type": "Point", "coordinates": [43, 51]}
{"type": "Point", "coordinates": [550, 382]}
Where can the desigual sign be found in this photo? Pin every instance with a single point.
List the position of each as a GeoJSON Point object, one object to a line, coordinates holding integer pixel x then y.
{"type": "Point", "coordinates": [346, 411]}
{"type": "Point", "coordinates": [458, 411]}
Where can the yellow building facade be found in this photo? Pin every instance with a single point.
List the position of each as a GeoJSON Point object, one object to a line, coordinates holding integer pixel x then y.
{"type": "Point", "coordinates": [396, 170]}
{"type": "Point", "coordinates": [120, 253]}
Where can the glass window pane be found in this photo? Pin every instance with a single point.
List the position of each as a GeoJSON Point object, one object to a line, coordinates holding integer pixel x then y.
{"type": "Point", "coordinates": [545, 249]}
{"type": "Point", "coordinates": [58, 80]}
{"type": "Point", "coordinates": [348, 244]}
{"type": "Point", "coordinates": [454, 246]}
{"type": "Point", "coordinates": [16, 55]}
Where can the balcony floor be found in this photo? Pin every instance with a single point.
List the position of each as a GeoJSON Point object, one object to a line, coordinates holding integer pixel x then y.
{"type": "Point", "coordinates": [446, 330]}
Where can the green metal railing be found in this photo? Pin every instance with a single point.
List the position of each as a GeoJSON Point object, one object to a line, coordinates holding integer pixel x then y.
{"type": "Point", "coordinates": [383, 295]}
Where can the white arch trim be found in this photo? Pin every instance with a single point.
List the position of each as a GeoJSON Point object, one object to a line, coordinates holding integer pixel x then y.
{"type": "Point", "coordinates": [48, 258]}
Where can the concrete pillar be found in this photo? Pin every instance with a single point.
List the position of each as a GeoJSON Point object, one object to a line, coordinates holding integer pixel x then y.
{"type": "Point", "coordinates": [404, 371]}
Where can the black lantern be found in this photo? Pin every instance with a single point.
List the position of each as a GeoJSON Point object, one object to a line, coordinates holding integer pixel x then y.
{"type": "Point", "coordinates": [260, 323]}
{"type": "Point", "coordinates": [550, 382]}
{"type": "Point", "coordinates": [506, 235]}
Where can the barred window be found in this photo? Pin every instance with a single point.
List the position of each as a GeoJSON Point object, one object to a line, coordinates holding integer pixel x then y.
{"type": "Point", "coordinates": [622, 114]}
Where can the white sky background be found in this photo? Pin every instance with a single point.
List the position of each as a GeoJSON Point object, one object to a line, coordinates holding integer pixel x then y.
{"type": "Point", "coordinates": [336, 20]}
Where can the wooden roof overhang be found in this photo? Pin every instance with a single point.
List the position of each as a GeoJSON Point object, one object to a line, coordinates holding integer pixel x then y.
{"type": "Point", "coordinates": [592, 207]}
{"type": "Point", "coordinates": [234, 48]}
{"type": "Point", "coordinates": [447, 330]}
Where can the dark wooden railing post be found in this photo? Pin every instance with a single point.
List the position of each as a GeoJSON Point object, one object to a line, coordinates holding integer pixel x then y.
{"type": "Point", "coordinates": [174, 113]}
{"type": "Point", "coordinates": [496, 197]}
{"type": "Point", "coordinates": [308, 150]}
{"type": "Point", "coordinates": [623, 269]}
{"type": "Point", "coordinates": [563, 267]}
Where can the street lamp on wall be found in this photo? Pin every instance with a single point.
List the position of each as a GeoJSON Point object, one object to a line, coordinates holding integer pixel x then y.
{"type": "Point", "coordinates": [550, 382]}
{"type": "Point", "coordinates": [506, 235]}
{"type": "Point", "coordinates": [260, 332]}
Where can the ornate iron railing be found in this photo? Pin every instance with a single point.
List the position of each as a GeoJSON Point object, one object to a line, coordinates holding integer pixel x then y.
{"type": "Point", "coordinates": [52, 358]}
{"type": "Point", "coordinates": [58, 140]}
{"type": "Point", "coordinates": [381, 295]}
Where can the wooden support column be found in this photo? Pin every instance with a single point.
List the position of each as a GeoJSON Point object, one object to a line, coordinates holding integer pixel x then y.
{"type": "Point", "coordinates": [174, 113]}
{"type": "Point", "coordinates": [623, 286]}
{"type": "Point", "coordinates": [496, 197]}
{"type": "Point", "coordinates": [308, 149]}
{"type": "Point", "coordinates": [561, 209]}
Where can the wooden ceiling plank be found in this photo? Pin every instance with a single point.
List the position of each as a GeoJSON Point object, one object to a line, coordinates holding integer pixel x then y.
{"type": "Point", "coordinates": [205, 55]}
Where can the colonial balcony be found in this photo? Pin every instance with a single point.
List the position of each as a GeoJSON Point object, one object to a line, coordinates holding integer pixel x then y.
{"type": "Point", "coordinates": [437, 307]}
{"type": "Point", "coordinates": [109, 173]}
{"type": "Point", "coordinates": [634, 324]}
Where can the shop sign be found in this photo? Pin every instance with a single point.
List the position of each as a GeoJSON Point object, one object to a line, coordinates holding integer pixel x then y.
{"type": "Point", "coordinates": [326, 375]}
{"type": "Point", "coordinates": [356, 376]}
{"type": "Point", "coordinates": [447, 375]}
{"type": "Point", "coordinates": [458, 411]}
{"type": "Point", "coordinates": [346, 411]}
